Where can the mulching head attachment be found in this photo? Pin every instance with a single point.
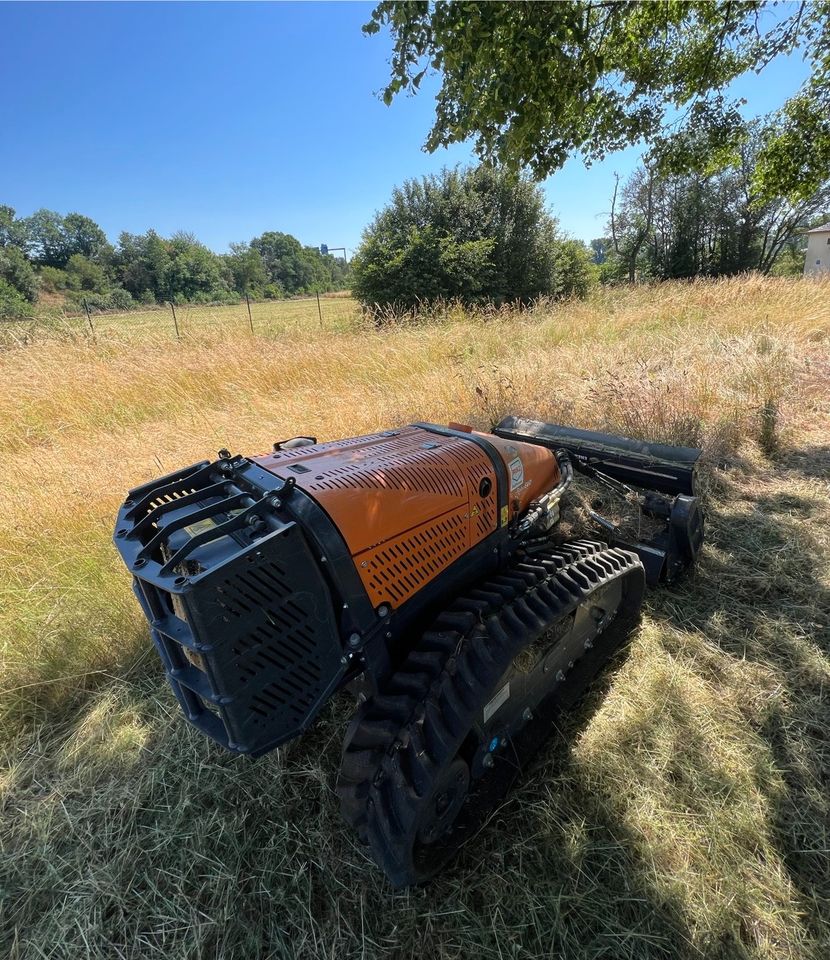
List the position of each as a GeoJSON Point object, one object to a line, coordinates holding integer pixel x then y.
{"type": "Point", "coordinates": [666, 474]}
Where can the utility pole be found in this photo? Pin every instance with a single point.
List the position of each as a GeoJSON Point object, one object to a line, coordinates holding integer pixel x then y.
{"type": "Point", "coordinates": [325, 250]}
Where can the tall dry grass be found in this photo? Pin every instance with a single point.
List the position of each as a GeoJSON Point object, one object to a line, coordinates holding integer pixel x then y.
{"type": "Point", "coordinates": [689, 818]}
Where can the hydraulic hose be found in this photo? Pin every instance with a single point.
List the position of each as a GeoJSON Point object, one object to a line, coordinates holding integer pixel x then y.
{"type": "Point", "coordinates": [537, 510]}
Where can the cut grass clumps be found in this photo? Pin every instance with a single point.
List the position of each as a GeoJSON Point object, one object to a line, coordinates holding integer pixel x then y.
{"type": "Point", "coordinates": [682, 813]}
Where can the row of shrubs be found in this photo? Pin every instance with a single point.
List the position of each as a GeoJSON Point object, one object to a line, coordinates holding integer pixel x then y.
{"type": "Point", "coordinates": [71, 257]}
{"type": "Point", "coordinates": [14, 305]}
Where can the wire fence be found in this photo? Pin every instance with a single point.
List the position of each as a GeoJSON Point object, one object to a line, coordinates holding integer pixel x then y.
{"type": "Point", "coordinates": [261, 317]}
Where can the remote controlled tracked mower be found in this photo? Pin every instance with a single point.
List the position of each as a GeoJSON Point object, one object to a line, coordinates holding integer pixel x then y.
{"type": "Point", "coordinates": [425, 563]}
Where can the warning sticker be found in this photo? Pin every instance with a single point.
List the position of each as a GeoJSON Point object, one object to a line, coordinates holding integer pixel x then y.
{"type": "Point", "coordinates": [517, 473]}
{"type": "Point", "coordinates": [496, 702]}
{"type": "Point", "coordinates": [200, 526]}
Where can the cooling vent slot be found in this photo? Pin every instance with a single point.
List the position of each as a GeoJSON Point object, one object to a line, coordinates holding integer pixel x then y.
{"type": "Point", "coordinates": [273, 650]}
{"type": "Point", "coordinates": [485, 521]}
{"type": "Point", "coordinates": [401, 465]}
{"type": "Point", "coordinates": [407, 474]}
{"type": "Point", "coordinates": [283, 647]}
{"type": "Point", "coordinates": [477, 472]}
{"type": "Point", "coordinates": [400, 567]}
{"type": "Point", "coordinates": [464, 451]}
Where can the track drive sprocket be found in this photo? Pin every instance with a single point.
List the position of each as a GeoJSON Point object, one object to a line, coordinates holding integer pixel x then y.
{"type": "Point", "coordinates": [425, 760]}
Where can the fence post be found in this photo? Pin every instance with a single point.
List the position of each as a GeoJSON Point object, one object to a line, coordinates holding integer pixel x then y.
{"type": "Point", "coordinates": [175, 321]}
{"type": "Point", "coordinates": [319, 310]}
{"type": "Point", "coordinates": [88, 317]}
{"type": "Point", "coordinates": [250, 318]}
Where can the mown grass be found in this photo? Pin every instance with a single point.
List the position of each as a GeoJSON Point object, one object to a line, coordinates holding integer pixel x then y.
{"type": "Point", "coordinates": [684, 811]}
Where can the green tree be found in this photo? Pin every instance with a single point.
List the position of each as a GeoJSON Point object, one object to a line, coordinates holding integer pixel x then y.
{"type": "Point", "coordinates": [12, 302]}
{"type": "Point", "coordinates": [178, 269]}
{"type": "Point", "coordinates": [294, 268]}
{"type": "Point", "coordinates": [83, 274]}
{"type": "Point", "coordinates": [46, 243]}
{"type": "Point", "coordinates": [291, 266]}
{"type": "Point", "coordinates": [534, 82]}
{"type": "Point", "coordinates": [339, 272]}
{"type": "Point", "coordinates": [53, 279]}
{"type": "Point", "coordinates": [790, 262]}
{"type": "Point", "coordinates": [7, 218]}
{"type": "Point", "coordinates": [475, 234]}
{"type": "Point", "coordinates": [574, 270]}
{"type": "Point", "coordinates": [12, 230]}
{"type": "Point", "coordinates": [705, 224]}
{"type": "Point", "coordinates": [247, 269]}
{"type": "Point", "coordinates": [83, 236]}
{"type": "Point", "coordinates": [18, 273]}
{"type": "Point", "coordinates": [141, 263]}
{"type": "Point", "coordinates": [193, 273]}
{"type": "Point", "coordinates": [52, 239]}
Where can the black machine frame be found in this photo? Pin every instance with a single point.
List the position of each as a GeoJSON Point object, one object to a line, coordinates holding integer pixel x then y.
{"type": "Point", "coordinates": [668, 474]}
{"type": "Point", "coordinates": [257, 609]}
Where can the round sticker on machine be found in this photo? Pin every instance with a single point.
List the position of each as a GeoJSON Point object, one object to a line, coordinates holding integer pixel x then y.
{"type": "Point", "coordinates": [517, 473]}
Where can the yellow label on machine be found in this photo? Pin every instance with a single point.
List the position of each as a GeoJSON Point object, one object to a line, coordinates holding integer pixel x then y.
{"type": "Point", "coordinates": [504, 515]}
{"type": "Point", "coordinates": [200, 526]}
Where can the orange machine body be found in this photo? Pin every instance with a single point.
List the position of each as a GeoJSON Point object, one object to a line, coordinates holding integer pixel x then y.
{"type": "Point", "coordinates": [409, 502]}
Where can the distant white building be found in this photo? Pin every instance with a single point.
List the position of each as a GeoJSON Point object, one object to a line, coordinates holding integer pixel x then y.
{"type": "Point", "coordinates": [818, 250]}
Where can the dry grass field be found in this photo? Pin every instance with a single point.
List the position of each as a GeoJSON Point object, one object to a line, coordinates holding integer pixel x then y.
{"type": "Point", "coordinates": [268, 317]}
{"type": "Point", "coordinates": [683, 813]}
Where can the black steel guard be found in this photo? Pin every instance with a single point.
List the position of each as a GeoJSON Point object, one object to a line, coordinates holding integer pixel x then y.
{"type": "Point", "coordinates": [238, 608]}
{"type": "Point", "coordinates": [620, 462]}
{"type": "Point", "coordinates": [654, 466]}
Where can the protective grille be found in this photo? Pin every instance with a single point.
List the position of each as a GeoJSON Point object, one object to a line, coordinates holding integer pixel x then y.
{"type": "Point", "coordinates": [282, 647]}
{"type": "Point", "coordinates": [403, 565]}
{"type": "Point", "coordinates": [271, 649]}
{"type": "Point", "coordinates": [329, 445]}
{"type": "Point", "coordinates": [424, 471]}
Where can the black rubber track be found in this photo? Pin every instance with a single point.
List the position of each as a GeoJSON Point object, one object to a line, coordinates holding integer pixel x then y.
{"type": "Point", "coordinates": [400, 741]}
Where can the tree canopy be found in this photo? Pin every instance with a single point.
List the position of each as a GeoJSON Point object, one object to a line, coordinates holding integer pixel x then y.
{"type": "Point", "coordinates": [475, 234]}
{"type": "Point", "coordinates": [532, 83]}
{"type": "Point", "coordinates": [16, 271]}
{"type": "Point", "coordinates": [703, 224]}
{"type": "Point", "coordinates": [290, 267]}
{"type": "Point", "coordinates": [50, 239]}
{"type": "Point", "coordinates": [71, 255]}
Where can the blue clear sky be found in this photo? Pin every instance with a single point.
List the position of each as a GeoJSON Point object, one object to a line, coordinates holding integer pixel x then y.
{"type": "Point", "coordinates": [231, 119]}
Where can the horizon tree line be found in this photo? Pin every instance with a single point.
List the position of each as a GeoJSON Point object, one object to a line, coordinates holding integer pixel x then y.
{"type": "Point", "coordinates": [71, 255]}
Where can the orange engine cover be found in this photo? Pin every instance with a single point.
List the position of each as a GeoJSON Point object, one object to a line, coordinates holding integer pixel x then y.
{"type": "Point", "coordinates": [409, 502]}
